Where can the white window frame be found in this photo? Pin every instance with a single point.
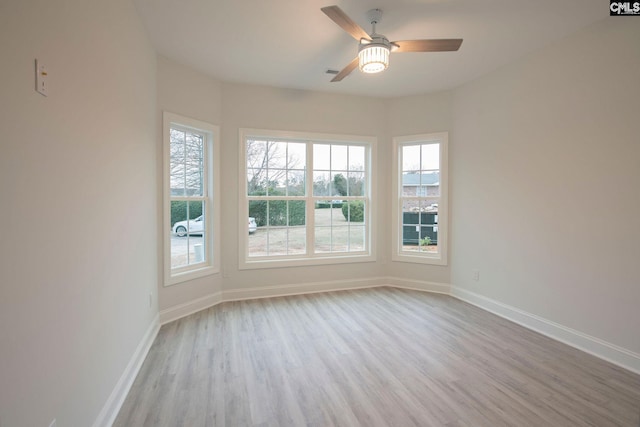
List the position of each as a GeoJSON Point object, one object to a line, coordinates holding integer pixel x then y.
{"type": "Point", "coordinates": [211, 198]}
{"type": "Point", "coordinates": [397, 253]}
{"type": "Point", "coordinates": [368, 255]}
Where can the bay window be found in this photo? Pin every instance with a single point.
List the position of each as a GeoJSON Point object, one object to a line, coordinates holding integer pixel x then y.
{"type": "Point", "coordinates": [310, 196]}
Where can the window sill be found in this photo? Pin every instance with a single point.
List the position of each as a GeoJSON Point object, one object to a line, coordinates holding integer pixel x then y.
{"type": "Point", "coordinates": [420, 259]}
{"type": "Point", "coordinates": [303, 262]}
{"type": "Point", "coordinates": [185, 276]}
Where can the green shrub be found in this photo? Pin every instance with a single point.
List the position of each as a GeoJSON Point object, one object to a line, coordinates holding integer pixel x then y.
{"type": "Point", "coordinates": [258, 210]}
{"type": "Point", "coordinates": [323, 205]}
{"type": "Point", "coordinates": [277, 210]}
{"type": "Point", "coordinates": [355, 208]}
{"type": "Point", "coordinates": [326, 204]}
{"type": "Point", "coordinates": [426, 241]}
{"type": "Point", "coordinates": [179, 210]}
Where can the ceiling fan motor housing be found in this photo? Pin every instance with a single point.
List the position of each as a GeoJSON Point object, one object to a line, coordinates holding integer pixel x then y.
{"type": "Point", "coordinates": [376, 40]}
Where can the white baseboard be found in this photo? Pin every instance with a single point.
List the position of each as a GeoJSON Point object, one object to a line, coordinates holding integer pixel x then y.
{"type": "Point", "coordinates": [112, 407]}
{"type": "Point", "coordinates": [176, 312]}
{"type": "Point", "coordinates": [299, 289]}
{"type": "Point", "coordinates": [419, 285]}
{"type": "Point", "coordinates": [181, 310]}
{"type": "Point", "coordinates": [589, 344]}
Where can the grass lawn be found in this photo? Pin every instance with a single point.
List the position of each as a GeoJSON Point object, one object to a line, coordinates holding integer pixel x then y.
{"type": "Point", "coordinates": [332, 234]}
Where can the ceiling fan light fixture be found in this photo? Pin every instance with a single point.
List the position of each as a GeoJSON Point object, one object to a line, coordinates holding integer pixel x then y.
{"type": "Point", "coordinates": [373, 57]}
{"type": "Point", "coordinates": [374, 48]}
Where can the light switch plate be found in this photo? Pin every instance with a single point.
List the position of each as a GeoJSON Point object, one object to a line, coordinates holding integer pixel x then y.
{"type": "Point", "coordinates": [41, 78]}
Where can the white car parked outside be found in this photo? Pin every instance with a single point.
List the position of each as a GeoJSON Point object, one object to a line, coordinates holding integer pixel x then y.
{"type": "Point", "coordinates": [196, 226]}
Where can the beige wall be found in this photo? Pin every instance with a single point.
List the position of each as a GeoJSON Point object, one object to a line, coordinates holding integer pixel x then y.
{"type": "Point", "coordinates": [187, 92]}
{"type": "Point", "coordinates": [77, 173]}
{"type": "Point", "coordinates": [555, 139]}
{"type": "Point", "coordinates": [412, 115]}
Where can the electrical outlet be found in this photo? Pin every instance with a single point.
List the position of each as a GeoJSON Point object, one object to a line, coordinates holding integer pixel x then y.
{"type": "Point", "coordinates": [476, 275]}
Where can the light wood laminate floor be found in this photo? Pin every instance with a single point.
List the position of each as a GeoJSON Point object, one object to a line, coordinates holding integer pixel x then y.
{"type": "Point", "coordinates": [372, 357]}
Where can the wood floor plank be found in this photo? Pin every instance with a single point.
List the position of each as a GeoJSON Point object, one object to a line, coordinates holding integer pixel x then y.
{"type": "Point", "coordinates": [372, 357]}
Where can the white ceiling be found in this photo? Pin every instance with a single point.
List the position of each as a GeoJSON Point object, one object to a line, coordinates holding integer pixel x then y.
{"type": "Point", "coordinates": [291, 43]}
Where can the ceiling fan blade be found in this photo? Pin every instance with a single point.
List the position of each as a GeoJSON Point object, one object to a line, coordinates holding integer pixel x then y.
{"type": "Point", "coordinates": [346, 70]}
{"type": "Point", "coordinates": [339, 17]}
{"type": "Point", "coordinates": [433, 45]}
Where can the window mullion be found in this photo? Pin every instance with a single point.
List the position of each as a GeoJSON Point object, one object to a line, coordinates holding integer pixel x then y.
{"type": "Point", "coordinates": [189, 199]}
{"type": "Point", "coordinates": [188, 234]}
{"type": "Point", "coordinates": [184, 162]}
{"type": "Point", "coordinates": [310, 205]}
{"type": "Point", "coordinates": [204, 175]}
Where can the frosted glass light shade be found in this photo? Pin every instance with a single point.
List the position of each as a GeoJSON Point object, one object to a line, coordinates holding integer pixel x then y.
{"type": "Point", "coordinates": [373, 58]}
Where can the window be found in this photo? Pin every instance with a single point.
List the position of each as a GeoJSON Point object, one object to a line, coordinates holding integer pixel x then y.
{"type": "Point", "coordinates": [310, 198]}
{"type": "Point", "coordinates": [191, 211]}
{"type": "Point", "coordinates": [420, 199]}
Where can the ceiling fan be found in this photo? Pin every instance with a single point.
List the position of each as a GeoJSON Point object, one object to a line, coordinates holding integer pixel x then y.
{"type": "Point", "coordinates": [374, 48]}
